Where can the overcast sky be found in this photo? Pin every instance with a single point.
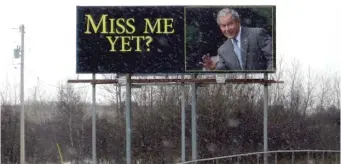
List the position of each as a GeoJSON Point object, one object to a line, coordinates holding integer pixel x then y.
{"type": "Point", "coordinates": [306, 30]}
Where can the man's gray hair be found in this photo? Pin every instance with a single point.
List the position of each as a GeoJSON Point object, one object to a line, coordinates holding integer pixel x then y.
{"type": "Point", "coordinates": [226, 11]}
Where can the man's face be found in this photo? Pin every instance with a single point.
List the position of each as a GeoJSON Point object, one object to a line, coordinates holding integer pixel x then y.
{"type": "Point", "coordinates": [229, 26]}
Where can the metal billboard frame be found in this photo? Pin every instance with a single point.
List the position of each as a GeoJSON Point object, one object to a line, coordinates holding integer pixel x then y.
{"type": "Point", "coordinates": [194, 82]}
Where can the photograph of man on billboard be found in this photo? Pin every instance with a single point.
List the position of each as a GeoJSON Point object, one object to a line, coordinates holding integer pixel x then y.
{"type": "Point", "coordinates": [244, 48]}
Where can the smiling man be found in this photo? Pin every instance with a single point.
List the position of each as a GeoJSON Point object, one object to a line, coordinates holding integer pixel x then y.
{"type": "Point", "coordinates": [245, 48]}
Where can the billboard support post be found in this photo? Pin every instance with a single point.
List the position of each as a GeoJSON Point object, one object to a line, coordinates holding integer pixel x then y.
{"type": "Point", "coordinates": [94, 158]}
{"type": "Point", "coordinates": [194, 118]}
{"type": "Point", "coordinates": [183, 123]}
{"type": "Point", "coordinates": [128, 119]}
{"type": "Point", "coordinates": [265, 120]}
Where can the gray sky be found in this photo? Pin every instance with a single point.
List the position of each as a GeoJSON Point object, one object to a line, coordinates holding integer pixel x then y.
{"type": "Point", "coordinates": [308, 31]}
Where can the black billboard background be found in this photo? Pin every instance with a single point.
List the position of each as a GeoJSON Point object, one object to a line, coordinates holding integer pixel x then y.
{"type": "Point", "coordinates": [166, 53]}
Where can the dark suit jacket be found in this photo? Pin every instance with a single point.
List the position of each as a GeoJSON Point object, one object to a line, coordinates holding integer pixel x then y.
{"type": "Point", "coordinates": [256, 51]}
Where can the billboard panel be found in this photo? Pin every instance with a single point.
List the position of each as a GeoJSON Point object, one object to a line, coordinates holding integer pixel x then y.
{"type": "Point", "coordinates": [175, 39]}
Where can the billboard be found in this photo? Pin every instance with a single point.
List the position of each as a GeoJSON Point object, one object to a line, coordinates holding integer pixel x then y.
{"type": "Point", "coordinates": [175, 39]}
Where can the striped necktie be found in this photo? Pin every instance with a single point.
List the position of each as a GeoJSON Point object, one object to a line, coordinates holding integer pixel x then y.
{"type": "Point", "coordinates": [237, 51]}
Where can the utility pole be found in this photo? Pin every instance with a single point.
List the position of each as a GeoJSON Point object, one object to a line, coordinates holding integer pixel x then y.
{"type": "Point", "coordinates": [22, 111]}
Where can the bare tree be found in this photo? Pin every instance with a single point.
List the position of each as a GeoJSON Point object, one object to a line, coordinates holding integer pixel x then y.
{"type": "Point", "coordinates": [324, 91]}
{"type": "Point", "coordinates": [70, 117]}
{"type": "Point", "coordinates": [337, 90]}
{"type": "Point", "coordinates": [295, 89]}
{"type": "Point", "coordinates": [9, 94]}
{"type": "Point", "coordinates": [277, 89]}
{"type": "Point", "coordinates": [113, 94]}
{"type": "Point", "coordinates": [308, 97]}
